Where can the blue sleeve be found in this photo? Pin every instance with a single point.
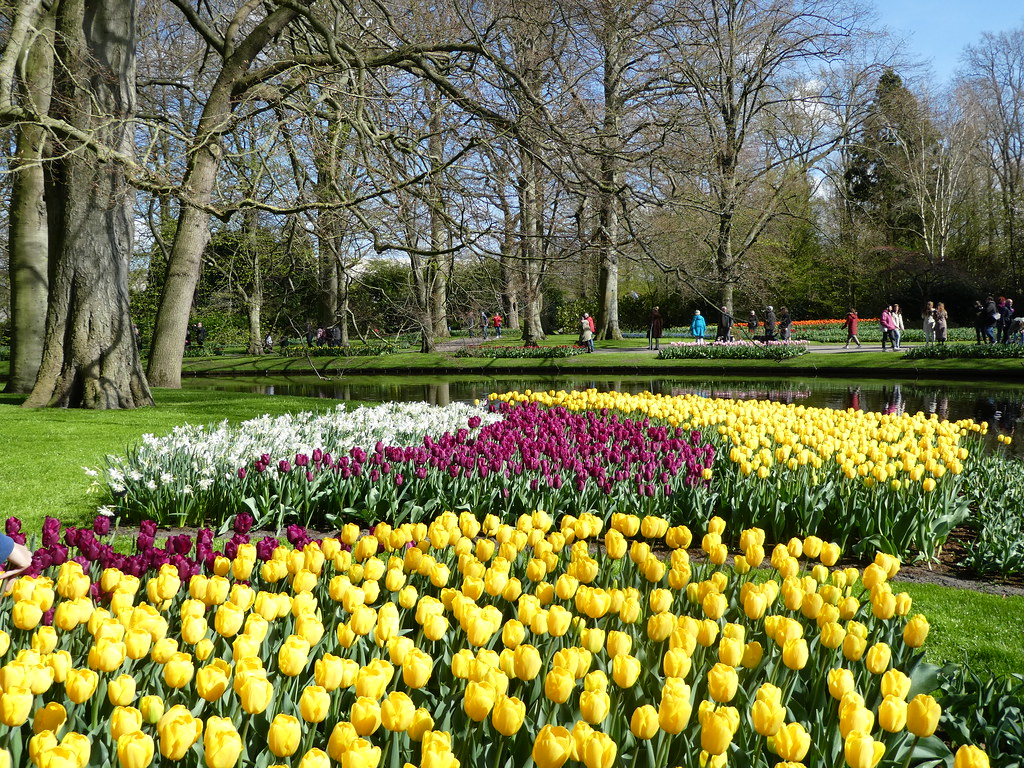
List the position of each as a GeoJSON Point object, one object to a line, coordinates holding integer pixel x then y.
{"type": "Point", "coordinates": [6, 547]}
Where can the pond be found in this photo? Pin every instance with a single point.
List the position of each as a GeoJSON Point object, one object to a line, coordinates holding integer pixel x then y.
{"type": "Point", "coordinates": [1001, 405]}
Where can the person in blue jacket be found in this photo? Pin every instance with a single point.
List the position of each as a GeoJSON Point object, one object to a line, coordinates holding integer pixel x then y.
{"type": "Point", "coordinates": [698, 326]}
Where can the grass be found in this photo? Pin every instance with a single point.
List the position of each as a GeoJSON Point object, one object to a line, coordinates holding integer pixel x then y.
{"type": "Point", "coordinates": [45, 451]}
{"type": "Point", "coordinates": [621, 356]}
{"type": "Point", "coordinates": [976, 629]}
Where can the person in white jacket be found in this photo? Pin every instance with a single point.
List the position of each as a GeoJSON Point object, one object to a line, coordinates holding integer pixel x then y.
{"type": "Point", "coordinates": [897, 332]}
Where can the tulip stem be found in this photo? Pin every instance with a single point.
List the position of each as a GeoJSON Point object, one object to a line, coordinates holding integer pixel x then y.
{"type": "Point", "coordinates": [910, 752]}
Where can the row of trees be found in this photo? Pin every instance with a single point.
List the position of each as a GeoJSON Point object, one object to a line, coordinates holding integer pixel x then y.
{"type": "Point", "coordinates": [735, 150]}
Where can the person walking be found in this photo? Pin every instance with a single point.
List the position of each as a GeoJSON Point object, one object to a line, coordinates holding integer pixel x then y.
{"type": "Point", "coordinates": [496, 324]}
{"type": "Point", "coordinates": [654, 328]}
{"type": "Point", "coordinates": [785, 324]}
{"type": "Point", "coordinates": [979, 323]}
{"type": "Point", "coordinates": [887, 325]}
{"type": "Point", "coordinates": [769, 324]}
{"type": "Point", "coordinates": [1006, 317]}
{"type": "Point", "coordinates": [586, 339]}
{"type": "Point", "coordinates": [991, 318]}
{"type": "Point", "coordinates": [698, 327]}
{"type": "Point", "coordinates": [851, 327]}
{"type": "Point", "coordinates": [724, 326]}
{"type": "Point", "coordinates": [941, 323]}
{"type": "Point", "coordinates": [897, 320]}
{"type": "Point", "coordinates": [200, 335]}
{"type": "Point", "coordinates": [752, 324]}
{"type": "Point", "coordinates": [484, 323]}
{"type": "Point", "coordinates": [928, 325]}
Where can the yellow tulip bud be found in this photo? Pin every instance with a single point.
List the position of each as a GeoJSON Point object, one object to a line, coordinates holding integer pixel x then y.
{"type": "Point", "coordinates": [923, 715]}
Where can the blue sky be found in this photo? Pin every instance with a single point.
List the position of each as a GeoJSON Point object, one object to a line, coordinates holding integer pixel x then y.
{"type": "Point", "coordinates": [939, 30]}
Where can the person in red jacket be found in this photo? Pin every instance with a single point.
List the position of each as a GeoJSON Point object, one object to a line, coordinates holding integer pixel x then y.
{"type": "Point", "coordinates": [496, 322]}
{"type": "Point", "coordinates": [851, 328]}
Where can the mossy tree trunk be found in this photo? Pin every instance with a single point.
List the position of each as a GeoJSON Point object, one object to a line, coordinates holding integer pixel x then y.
{"type": "Point", "coordinates": [90, 358]}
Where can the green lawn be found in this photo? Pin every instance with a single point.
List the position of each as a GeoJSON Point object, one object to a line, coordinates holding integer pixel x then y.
{"type": "Point", "coordinates": [45, 452]}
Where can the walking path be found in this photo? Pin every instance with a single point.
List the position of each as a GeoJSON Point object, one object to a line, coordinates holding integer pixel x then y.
{"type": "Point", "coordinates": [452, 345]}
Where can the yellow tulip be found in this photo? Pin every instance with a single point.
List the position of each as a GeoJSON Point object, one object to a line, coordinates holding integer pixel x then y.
{"type": "Point", "coordinates": [895, 683]}
{"type": "Point", "coordinates": [716, 732]}
{"type": "Point", "coordinates": [970, 756]}
{"type": "Point", "coordinates": [284, 735]}
{"type": "Point", "coordinates": [862, 751]}
{"type": "Point", "coordinates": [212, 680]}
{"type": "Point", "coordinates": [255, 693]}
{"type": "Point", "coordinates": [594, 706]}
{"type": "Point", "coordinates": [417, 668]}
{"type": "Point", "coordinates": [840, 682]}
{"type": "Point", "coordinates": [892, 714]}
{"type": "Point", "coordinates": [768, 716]}
{"type": "Point", "coordinates": [221, 742]}
{"type": "Point", "coordinates": [81, 684]}
{"type": "Point", "coordinates": [792, 742]}
{"type": "Point", "coordinates": [361, 754]}
{"type": "Point", "coordinates": [916, 631]}
{"type": "Point", "coordinates": [178, 731]}
{"type": "Point", "coordinates": [178, 670]}
{"type": "Point", "coordinates": [559, 684]}
{"type": "Point", "coordinates": [151, 708]}
{"type": "Point", "coordinates": [722, 684]}
{"type": "Point", "coordinates": [675, 709]}
{"type": "Point", "coordinates": [795, 653]}
{"type": "Point", "coordinates": [314, 704]}
{"type": "Point", "coordinates": [644, 722]}
{"type": "Point", "coordinates": [625, 670]}
{"type": "Point", "coordinates": [135, 750]}
{"type": "Point", "coordinates": [878, 658]}
{"type": "Point", "coordinates": [124, 720]}
{"type": "Point", "coordinates": [372, 680]}
{"type": "Point", "coordinates": [923, 715]}
{"type": "Point", "coordinates": [293, 655]}
{"type": "Point", "coordinates": [599, 751]}
{"type": "Point", "coordinates": [365, 715]}
{"type": "Point", "coordinates": [49, 718]}
{"type": "Point", "coordinates": [508, 715]}
{"type": "Point", "coordinates": [527, 662]}
{"type": "Point", "coordinates": [479, 699]}
{"type": "Point", "coordinates": [397, 712]}
{"type": "Point", "coordinates": [552, 747]}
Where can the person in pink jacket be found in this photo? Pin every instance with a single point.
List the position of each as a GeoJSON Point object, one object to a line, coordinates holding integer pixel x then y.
{"type": "Point", "coordinates": [888, 326]}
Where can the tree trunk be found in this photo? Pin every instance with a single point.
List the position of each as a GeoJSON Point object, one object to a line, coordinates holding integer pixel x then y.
{"type": "Point", "coordinates": [530, 247]}
{"type": "Point", "coordinates": [90, 358]}
{"type": "Point", "coordinates": [185, 262]}
{"type": "Point", "coordinates": [611, 172]}
{"type": "Point", "coordinates": [28, 235]}
{"type": "Point", "coordinates": [440, 263]}
{"type": "Point", "coordinates": [254, 310]}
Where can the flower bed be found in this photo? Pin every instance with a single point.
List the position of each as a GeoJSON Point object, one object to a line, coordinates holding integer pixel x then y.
{"type": "Point", "coordinates": [733, 350]}
{"type": "Point", "coordinates": [520, 352]}
{"type": "Point", "coordinates": [866, 480]}
{"type": "Point", "coordinates": [965, 352]}
{"type": "Point", "coordinates": [190, 477]}
{"type": "Point", "coordinates": [479, 645]}
{"type": "Point", "coordinates": [530, 456]}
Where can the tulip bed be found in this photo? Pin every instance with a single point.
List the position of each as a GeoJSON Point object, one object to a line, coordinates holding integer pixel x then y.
{"type": "Point", "coordinates": [473, 643]}
{"type": "Point", "coordinates": [868, 481]}
{"type": "Point", "coordinates": [733, 350]}
{"type": "Point", "coordinates": [965, 352]}
{"type": "Point", "coordinates": [520, 352]}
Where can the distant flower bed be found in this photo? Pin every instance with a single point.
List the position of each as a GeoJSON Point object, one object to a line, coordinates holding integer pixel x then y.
{"type": "Point", "coordinates": [324, 350]}
{"type": "Point", "coordinates": [520, 353]}
{"type": "Point", "coordinates": [965, 352]}
{"type": "Point", "coordinates": [733, 350]}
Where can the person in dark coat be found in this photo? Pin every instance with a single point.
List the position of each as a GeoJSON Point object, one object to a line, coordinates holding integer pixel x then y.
{"type": "Point", "coordinates": [752, 324]}
{"type": "Point", "coordinates": [991, 318]}
{"type": "Point", "coordinates": [785, 324]}
{"type": "Point", "coordinates": [1007, 314]}
{"type": "Point", "coordinates": [654, 329]}
{"type": "Point", "coordinates": [200, 335]}
{"type": "Point", "coordinates": [724, 326]}
{"type": "Point", "coordinates": [769, 323]}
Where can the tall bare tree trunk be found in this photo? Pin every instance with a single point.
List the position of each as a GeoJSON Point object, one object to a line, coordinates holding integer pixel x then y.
{"type": "Point", "coordinates": [531, 250]}
{"type": "Point", "coordinates": [27, 242]}
{"type": "Point", "coordinates": [185, 261]}
{"type": "Point", "coordinates": [90, 359]}
{"type": "Point", "coordinates": [611, 182]}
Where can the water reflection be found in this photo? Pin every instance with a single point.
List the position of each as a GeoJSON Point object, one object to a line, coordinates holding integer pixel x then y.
{"type": "Point", "coordinates": [1002, 406]}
